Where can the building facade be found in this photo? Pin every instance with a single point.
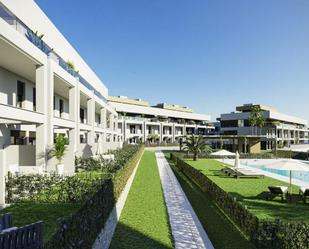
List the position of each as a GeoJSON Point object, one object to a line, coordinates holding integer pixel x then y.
{"type": "Point", "coordinates": [138, 122]}
{"type": "Point", "coordinates": [46, 89]}
{"type": "Point", "coordinates": [281, 129]}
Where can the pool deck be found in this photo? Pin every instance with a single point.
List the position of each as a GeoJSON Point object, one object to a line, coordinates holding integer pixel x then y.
{"type": "Point", "coordinates": [244, 162]}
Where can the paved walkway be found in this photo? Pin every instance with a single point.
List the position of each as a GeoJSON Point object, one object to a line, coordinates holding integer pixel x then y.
{"type": "Point", "coordinates": [187, 230]}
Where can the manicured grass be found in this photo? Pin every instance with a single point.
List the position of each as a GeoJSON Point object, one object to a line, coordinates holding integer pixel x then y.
{"type": "Point", "coordinates": [222, 233]}
{"type": "Point", "coordinates": [252, 193]}
{"type": "Point", "coordinates": [144, 221]}
{"type": "Point", "coordinates": [50, 213]}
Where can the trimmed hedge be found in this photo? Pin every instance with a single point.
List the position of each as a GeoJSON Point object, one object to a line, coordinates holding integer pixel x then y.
{"type": "Point", "coordinates": [81, 229]}
{"type": "Point", "coordinates": [264, 234]}
{"type": "Point", "coordinates": [242, 156]}
{"type": "Point", "coordinates": [292, 154]}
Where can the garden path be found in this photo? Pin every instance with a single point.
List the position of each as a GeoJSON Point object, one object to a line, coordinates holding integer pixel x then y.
{"type": "Point", "coordinates": [186, 228]}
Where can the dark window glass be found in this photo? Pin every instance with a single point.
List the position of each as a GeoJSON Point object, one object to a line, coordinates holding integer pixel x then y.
{"type": "Point", "coordinates": [34, 99]}
{"type": "Point", "coordinates": [61, 106]}
{"type": "Point", "coordinates": [82, 115]}
{"type": "Point", "coordinates": [20, 93]}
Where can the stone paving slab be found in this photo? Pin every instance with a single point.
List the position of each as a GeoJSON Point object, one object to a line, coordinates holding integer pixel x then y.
{"type": "Point", "coordinates": [187, 230]}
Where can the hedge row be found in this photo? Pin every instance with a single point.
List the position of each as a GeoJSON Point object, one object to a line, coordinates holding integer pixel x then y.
{"type": "Point", "coordinates": [242, 156]}
{"type": "Point", "coordinates": [263, 234]}
{"type": "Point", "coordinates": [81, 229]}
{"type": "Point", "coordinates": [54, 188]}
{"type": "Point", "coordinates": [292, 154]}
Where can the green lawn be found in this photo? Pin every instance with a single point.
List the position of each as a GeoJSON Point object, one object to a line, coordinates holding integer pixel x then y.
{"type": "Point", "coordinates": [222, 233]}
{"type": "Point", "coordinates": [26, 213]}
{"type": "Point", "coordinates": [252, 193]}
{"type": "Point", "coordinates": [144, 221]}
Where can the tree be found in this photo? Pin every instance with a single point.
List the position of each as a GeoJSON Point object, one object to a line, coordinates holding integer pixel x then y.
{"type": "Point", "coordinates": [261, 122]}
{"type": "Point", "coordinates": [195, 145]}
{"type": "Point", "coordinates": [59, 148]}
{"type": "Point", "coordinates": [256, 118]}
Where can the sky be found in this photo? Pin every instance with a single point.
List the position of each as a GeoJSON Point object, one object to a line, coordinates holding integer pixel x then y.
{"type": "Point", "coordinates": [210, 55]}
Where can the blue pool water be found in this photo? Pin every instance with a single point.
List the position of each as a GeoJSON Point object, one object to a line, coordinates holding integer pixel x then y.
{"type": "Point", "coordinates": [299, 175]}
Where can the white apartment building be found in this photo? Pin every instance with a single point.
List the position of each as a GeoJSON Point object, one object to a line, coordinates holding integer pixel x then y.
{"type": "Point", "coordinates": [42, 94]}
{"type": "Point", "coordinates": [279, 128]}
{"type": "Point", "coordinates": [138, 122]}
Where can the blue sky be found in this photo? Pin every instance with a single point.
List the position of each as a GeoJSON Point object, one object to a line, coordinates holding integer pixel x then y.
{"type": "Point", "coordinates": [210, 55]}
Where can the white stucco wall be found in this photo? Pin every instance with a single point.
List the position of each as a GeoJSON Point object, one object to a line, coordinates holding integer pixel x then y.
{"type": "Point", "coordinates": [30, 14]}
{"type": "Point", "coordinates": [8, 89]}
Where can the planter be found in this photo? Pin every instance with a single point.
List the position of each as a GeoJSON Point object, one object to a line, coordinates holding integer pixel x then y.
{"type": "Point", "coordinates": [60, 169]}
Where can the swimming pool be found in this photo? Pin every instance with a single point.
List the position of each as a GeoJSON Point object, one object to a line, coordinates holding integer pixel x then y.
{"type": "Point", "coordinates": [299, 175]}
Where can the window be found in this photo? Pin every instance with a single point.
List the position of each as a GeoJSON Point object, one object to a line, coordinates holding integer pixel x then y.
{"type": "Point", "coordinates": [34, 98]}
{"type": "Point", "coordinates": [20, 94]}
{"type": "Point", "coordinates": [132, 129]}
{"type": "Point", "coordinates": [81, 115]}
{"type": "Point", "coordinates": [18, 137]}
{"type": "Point", "coordinates": [60, 107]}
{"type": "Point", "coordinates": [241, 123]}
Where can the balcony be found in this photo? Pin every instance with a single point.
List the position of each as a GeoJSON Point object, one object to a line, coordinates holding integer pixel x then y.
{"type": "Point", "coordinates": [37, 40]}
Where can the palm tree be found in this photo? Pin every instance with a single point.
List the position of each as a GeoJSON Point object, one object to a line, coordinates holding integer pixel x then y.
{"type": "Point", "coordinates": [60, 147]}
{"type": "Point", "coordinates": [195, 145]}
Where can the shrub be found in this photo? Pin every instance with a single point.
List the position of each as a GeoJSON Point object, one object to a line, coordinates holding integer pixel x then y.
{"type": "Point", "coordinates": [29, 187]}
{"type": "Point", "coordinates": [121, 157]}
{"type": "Point", "coordinates": [81, 229]}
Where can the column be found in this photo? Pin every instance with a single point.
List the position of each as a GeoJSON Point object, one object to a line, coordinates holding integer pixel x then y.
{"type": "Point", "coordinates": [44, 102]}
{"type": "Point", "coordinates": [111, 122]}
{"type": "Point", "coordinates": [143, 132]}
{"type": "Point", "coordinates": [90, 119]}
{"type": "Point", "coordinates": [2, 175]}
{"type": "Point", "coordinates": [160, 132]}
{"type": "Point", "coordinates": [103, 123]}
{"type": "Point", "coordinates": [74, 96]}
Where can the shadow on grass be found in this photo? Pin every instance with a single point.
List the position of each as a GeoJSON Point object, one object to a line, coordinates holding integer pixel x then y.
{"type": "Point", "coordinates": [126, 237]}
{"type": "Point", "coordinates": [274, 207]}
{"type": "Point", "coordinates": [222, 233]}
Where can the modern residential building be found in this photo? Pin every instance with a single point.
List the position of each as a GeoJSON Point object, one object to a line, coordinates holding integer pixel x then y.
{"type": "Point", "coordinates": [279, 128]}
{"type": "Point", "coordinates": [139, 122]}
{"type": "Point", "coordinates": [46, 89]}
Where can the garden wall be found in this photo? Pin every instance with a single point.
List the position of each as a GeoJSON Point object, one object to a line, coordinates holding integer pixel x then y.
{"type": "Point", "coordinates": [263, 234]}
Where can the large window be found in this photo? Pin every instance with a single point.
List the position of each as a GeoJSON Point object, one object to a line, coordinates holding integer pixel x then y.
{"type": "Point", "coordinates": [229, 123]}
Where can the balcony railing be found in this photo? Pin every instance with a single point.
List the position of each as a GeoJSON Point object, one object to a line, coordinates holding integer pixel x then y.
{"type": "Point", "coordinates": [34, 38]}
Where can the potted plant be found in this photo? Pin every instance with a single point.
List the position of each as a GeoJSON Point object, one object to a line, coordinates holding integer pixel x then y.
{"type": "Point", "coordinates": [59, 150]}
